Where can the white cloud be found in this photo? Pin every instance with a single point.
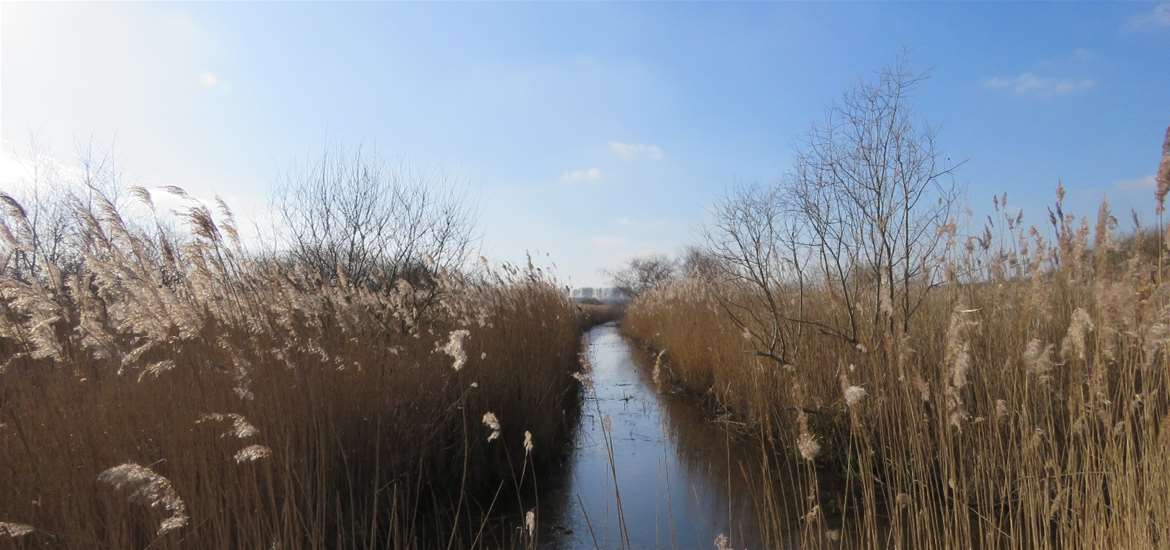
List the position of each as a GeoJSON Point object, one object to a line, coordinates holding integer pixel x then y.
{"type": "Point", "coordinates": [12, 170]}
{"type": "Point", "coordinates": [1136, 184]}
{"type": "Point", "coordinates": [585, 175]}
{"type": "Point", "coordinates": [208, 79]}
{"type": "Point", "coordinates": [1029, 84]}
{"type": "Point", "coordinates": [28, 166]}
{"type": "Point", "coordinates": [1159, 17]}
{"type": "Point", "coordinates": [636, 151]}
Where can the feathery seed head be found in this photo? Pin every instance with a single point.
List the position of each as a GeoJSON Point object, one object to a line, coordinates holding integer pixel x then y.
{"type": "Point", "coordinates": [958, 362]}
{"type": "Point", "coordinates": [530, 522]}
{"type": "Point", "coordinates": [492, 423]}
{"type": "Point", "coordinates": [454, 348]}
{"type": "Point", "coordinates": [1079, 326]}
{"type": "Point", "coordinates": [252, 453]}
{"type": "Point", "coordinates": [1163, 177]}
{"type": "Point", "coordinates": [15, 530]}
{"type": "Point", "coordinates": [1038, 361]}
{"type": "Point", "coordinates": [806, 442]}
{"type": "Point", "coordinates": [854, 395]}
{"type": "Point", "coordinates": [241, 428]}
{"type": "Point", "coordinates": [149, 488]}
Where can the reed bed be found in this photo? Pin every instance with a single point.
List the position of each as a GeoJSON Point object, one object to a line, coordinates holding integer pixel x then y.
{"type": "Point", "coordinates": [179, 393]}
{"type": "Point", "coordinates": [1024, 407]}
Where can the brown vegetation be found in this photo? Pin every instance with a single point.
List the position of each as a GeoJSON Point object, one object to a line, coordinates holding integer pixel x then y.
{"type": "Point", "coordinates": [997, 390]}
{"type": "Point", "coordinates": [177, 393]}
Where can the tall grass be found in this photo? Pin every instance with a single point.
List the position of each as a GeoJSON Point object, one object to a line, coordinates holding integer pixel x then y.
{"type": "Point", "coordinates": [172, 393]}
{"type": "Point", "coordinates": [1025, 407]}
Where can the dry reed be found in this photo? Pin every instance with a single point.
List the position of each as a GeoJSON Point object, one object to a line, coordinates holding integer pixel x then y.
{"type": "Point", "coordinates": [172, 393]}
{"type": "Point", "coordinates": [970, 429]}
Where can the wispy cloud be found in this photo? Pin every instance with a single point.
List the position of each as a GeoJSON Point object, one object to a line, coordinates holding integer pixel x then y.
{"type": "Point", "coordinates": [1159, 17]}
{"type": "Point", "coordinates": [1136, 184]}
{"type": "Point", "coordinates": [1029, 84]}
{"type": "Point", "coordinates": [636, 151]}
{"type": "Point", "coordinates": [30, 165]}
{"type": "Point", "coordinates": [585, 175]}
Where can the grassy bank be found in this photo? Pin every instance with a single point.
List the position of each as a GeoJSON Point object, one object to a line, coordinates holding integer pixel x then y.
{"type": "Point", "coordinates": [177, 393]}
{"type": "Point", "coordinates": [1024, 406]}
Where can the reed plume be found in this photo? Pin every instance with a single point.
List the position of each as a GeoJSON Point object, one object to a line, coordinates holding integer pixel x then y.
{"type": "Point", "coordinates": [1162, 179]}
{"type": "Point", "coordinates": [149, 488]}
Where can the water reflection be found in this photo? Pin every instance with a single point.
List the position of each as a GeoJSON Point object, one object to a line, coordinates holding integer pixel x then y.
{"type": "Point", "coordinates": [680, 478]}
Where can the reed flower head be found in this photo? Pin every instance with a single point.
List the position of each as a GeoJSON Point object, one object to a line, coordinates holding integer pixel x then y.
{"type": "Point", "coordinates": [1163, 177]}
{"type": "Point", "coordinates": [149, 488]}
{"type": "Point", "coordinates": [583, 379]}
{"type": "Point", "coordinates": [528, 445]}
{"type": "Point", "coordinates": [454, 348]}
{"type": "Point", "coordinates": [722, 542]}
{"type": "Point", "coordinates": [1079, 327]}
{"type": "Point", "coordinates": [958, 362]}
{"type": "Point", "coordinates": [15, 530]}
{"type": "Point", "coordinates": [493, 424]}
{"type": "Point", "coordinates": [886, 303]}
{"type": "Point", "coordinates": [156, 369]}
{"type": "Point", "coordinates": [854, 395]}
{"type": "Point", "coordinates": [252, 453]}
{"type": "Point", "coordinates": [1038, 360]}
{"type": "Point", "coordinates": [806, 442]}
{"type": "Point", "coordinates": [530, 522]}
{"type": "Point", "coordinates": [241, 428]}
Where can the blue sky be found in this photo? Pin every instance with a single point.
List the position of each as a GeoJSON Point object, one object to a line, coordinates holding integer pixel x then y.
{"type": "Point", "coordinates": [585, 133]}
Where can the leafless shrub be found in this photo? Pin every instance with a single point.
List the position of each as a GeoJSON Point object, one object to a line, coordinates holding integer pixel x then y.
{"type": "Point", "coordinates": [860, 219]}
{"type": "Point", "coordinates": [349, 214]}
{"type": "Point", "coordinates": [643, 274]}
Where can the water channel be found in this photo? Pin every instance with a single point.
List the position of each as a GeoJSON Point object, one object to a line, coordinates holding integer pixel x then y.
{"type": "Point", "coordinates": [679, 476]}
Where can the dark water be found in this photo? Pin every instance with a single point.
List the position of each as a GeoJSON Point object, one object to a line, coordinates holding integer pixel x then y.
{"type": "Point", "coordinates": [679, 476]}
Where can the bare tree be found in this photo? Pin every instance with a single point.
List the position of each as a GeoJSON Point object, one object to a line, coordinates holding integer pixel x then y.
{"type": "Point", "coordinates": [876, 192]}
{"type": "Point", "coordinates": [643, 274]}
{"type": "Point", "coordinates": [349, 213]}
{"type": "Point", "coordinates": [858, 220]}
{"type": "Point", "coordinates": [37, 221]}
{"type": "Point", "coordinates": [698, 263]}
{"type": "Point", "coordinates": [757, 258]}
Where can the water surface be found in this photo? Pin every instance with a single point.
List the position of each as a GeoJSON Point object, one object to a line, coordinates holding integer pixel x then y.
{"type": "Point", "coordinates": [679, 479]}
